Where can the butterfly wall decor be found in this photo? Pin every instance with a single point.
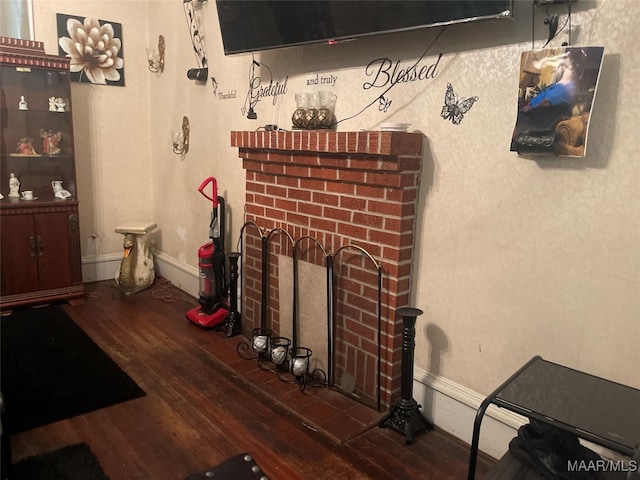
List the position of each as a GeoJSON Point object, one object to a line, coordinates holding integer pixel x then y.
{"type": "Point", "coordinates": [455, 109]}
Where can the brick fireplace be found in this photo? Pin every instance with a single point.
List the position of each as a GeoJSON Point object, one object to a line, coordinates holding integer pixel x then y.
{"type": "Point", "coordinates": [339, 188]}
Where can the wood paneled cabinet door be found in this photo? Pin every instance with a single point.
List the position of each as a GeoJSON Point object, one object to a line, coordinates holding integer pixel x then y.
{"type": "Point", "coordinates": [39, 230]}
{"type": "Point", "coordinates": [42, 250]}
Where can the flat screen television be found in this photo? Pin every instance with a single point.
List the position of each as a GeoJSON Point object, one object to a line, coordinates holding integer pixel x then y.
{"type": "Point", "coordinates": [254, 25]}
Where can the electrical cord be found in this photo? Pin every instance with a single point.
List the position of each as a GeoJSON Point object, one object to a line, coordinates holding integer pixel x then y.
{"type": "Point", "coordinates": [270, 128]}
{"type": "Point", "coordinates": [251, 114]}
{"type": "Point", "coordinates": [252, 77]}
{"type": "Point", "coordinates": [164, 290]}
{"type": "Point", "coordinates": [552, 22]}
{"type": "Point", "coordinates": [558, 32]}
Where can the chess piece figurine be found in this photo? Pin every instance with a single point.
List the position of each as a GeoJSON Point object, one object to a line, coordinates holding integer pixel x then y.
{"type": "Point", "coordinates": [22, 105]}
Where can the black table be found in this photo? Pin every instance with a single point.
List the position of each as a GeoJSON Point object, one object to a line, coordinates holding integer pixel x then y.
{"type": "Point", "coordinates": [595, 409]}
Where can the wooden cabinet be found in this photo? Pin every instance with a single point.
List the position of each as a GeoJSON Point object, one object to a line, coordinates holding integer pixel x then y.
{"type": "Point", "coordinates": [40, 240]}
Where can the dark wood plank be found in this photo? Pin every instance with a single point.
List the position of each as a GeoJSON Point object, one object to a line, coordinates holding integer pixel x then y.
{"type": "Point", "coordinates": [202, 408]}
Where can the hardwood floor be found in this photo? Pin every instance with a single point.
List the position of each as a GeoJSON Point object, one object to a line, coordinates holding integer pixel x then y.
{"type": "Point", "coordinates": [205, 405]}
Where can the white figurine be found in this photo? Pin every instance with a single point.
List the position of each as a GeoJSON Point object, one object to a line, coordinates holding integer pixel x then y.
{"type": "Point", "coordinates": [14, 186]}
{"type": "Point", "coordinates": [52, 104]}
{"type": "Point", "coordinates": [60, 105]}
{"type": "Point", "coordinates": [23, 104]}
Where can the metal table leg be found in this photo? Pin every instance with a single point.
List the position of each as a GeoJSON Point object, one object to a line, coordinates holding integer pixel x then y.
{"type": "Point", "coordinates": [475, 439]}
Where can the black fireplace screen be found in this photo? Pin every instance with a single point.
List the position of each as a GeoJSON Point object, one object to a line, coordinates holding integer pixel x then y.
{"type": "Point", "coordinates": [324, 302]}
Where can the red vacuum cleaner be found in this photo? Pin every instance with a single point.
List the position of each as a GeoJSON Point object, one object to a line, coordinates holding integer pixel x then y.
{"type": "Point", "coordinates": [214, 288]}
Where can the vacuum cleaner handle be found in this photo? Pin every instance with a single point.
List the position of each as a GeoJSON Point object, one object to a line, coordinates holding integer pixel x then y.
{"type": "Point", "coordinates": [214, 197]}
{"type": "Point", "coordinates": [221, 225]}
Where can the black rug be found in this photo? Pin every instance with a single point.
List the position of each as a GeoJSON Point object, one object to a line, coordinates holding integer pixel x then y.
{"type": "Point", "coordinates": [51, 370]}
{"type": "Point", "coordinates": [75, 462]}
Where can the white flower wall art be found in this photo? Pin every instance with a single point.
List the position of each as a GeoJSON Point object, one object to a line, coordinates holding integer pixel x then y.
{"type": "Point", "coordinates": [94, 47]}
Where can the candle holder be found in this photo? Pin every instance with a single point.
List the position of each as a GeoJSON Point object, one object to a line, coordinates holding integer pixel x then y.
{"type": "Point", "coordinates": [314, 110]}
{"type": "Point", "coordinates": [405, 416]}
{"type": "Point", "coordinates": [310, 120]}
{"type": "Point", "coordinates": [326, 117]}
{"type": "Point", "coordinates": [299, 364]}
{"type": "Point", "coordinates": [279, 349]}
{"type": "Point", "coordinates": [300, 359]}
{"type": "Point", "coordinates": [260, 341]}
{"type": "Point", "coordinates": [302, 103]}
{"type": "Point", "coordinates": [276, 358]}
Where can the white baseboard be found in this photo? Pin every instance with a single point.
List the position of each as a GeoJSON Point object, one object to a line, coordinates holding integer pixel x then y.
{"type": "Point", "coordinates": [105, 267]}
{"type": "Point", "coordinates": [452, 408]}
{"type": "Point", "coordinates": [96, 268]}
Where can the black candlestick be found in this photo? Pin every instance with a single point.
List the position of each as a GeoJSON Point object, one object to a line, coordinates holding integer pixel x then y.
{"type": "Point", "coordinates": [232, 324]}
{"type": "Point", "coordinates": [405, 416]}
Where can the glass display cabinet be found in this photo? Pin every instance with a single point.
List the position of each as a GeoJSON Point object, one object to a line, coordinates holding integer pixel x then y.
{"type": "Point", "coordinates": [39, 224]}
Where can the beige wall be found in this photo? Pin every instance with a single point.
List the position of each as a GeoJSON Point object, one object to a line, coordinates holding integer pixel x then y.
{"type": "Point", "coordinates": [515, 257]}
{"type": "Point", "coordinates": [111, 127]}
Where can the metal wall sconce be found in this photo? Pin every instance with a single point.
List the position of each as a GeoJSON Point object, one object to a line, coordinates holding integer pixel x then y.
{"type": "Point", "coordinates": [181, 141]}
{"type": "Point", "coordinates": [156, 57]}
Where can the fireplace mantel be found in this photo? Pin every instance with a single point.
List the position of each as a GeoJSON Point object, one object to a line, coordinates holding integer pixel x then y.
{"type": "Point", "coordinates": [363, 142]}
{"type": "Point", "coordinates": [342, 188]}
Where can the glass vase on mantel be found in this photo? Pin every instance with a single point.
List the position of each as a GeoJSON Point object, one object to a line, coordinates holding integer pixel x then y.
{"type": "Point", "coordinates": [314, 110]}
{"type": "Point", "coordinates": [326, 112]}
{"type": "Point", "coordinates": [302, 103]}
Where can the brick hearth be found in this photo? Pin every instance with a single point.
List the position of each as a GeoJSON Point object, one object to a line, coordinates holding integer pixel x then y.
{"type": "Point", "coordinates": [339, 188]}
